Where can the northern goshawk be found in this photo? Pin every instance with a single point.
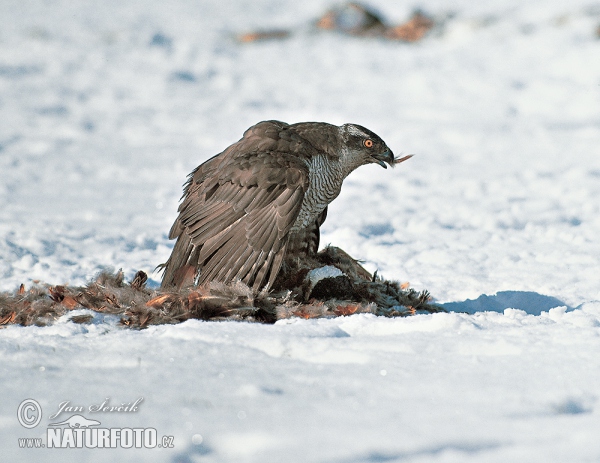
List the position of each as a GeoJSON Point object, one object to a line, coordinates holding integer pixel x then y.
{"type": "Point", "coordinates": [262, 200]}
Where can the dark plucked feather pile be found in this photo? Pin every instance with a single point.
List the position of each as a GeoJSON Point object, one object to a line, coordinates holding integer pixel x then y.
{"type": "Point", "coordinates": [354, 291]}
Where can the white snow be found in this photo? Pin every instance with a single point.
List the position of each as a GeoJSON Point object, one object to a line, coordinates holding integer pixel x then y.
{"type": "Point", "coordinates": [106, 107]}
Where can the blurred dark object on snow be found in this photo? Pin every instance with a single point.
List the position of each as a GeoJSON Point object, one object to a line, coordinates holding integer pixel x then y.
{"type": "Point", "coordinates": [353, 19]}
{"type": "Point", "coordinates": [161, 40]}
{"type": "Point", "coordinates": [356, 20]}
{"type": "Point", "coordinates": [598, 32]}
{"type": "Point", "coordinates": [263, 35]}
{"type": "Point", "coordinates": [412, 30]}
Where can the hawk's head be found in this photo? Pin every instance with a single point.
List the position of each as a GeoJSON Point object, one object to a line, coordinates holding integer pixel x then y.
{"type": "Point", "coordinates": [361, 146]}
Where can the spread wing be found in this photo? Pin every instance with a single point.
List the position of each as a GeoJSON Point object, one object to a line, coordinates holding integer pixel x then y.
{"type": "Point", "coordinates": [238, 209]}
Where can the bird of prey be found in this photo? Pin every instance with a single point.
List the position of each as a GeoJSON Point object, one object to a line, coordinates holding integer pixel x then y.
{"type": "Point", "coordinates": [262, 201]}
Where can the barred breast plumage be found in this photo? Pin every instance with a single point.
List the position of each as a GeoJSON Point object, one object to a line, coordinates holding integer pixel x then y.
{"type": "Point", "coordinates": [324, 185]}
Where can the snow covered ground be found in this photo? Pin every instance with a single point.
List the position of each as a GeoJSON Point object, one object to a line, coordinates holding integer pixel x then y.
{"type": "Point", "coordinates": [105, 108]}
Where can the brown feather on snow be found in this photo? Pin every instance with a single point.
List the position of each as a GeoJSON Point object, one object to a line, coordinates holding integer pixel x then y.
{"type": "Point", "coordinates": [354, 291]}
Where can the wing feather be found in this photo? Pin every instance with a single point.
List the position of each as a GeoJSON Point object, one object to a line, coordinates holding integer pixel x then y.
{"type": "Point", "coordinates": [262, 271]}
{"type": "Point", "coordinates": [231, 268]}
{"type": "Point", "coordinates": [239, 207]}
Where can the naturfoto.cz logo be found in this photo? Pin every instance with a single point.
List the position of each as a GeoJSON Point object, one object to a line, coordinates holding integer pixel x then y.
{"type": "Point", "coordinates": [78, 431]}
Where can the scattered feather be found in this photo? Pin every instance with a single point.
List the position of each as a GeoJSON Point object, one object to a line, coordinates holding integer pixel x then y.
{"type": "Point", "coordinates": [343, 287]}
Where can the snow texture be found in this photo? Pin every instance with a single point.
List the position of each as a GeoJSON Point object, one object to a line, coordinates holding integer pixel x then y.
{"type": "Point", "coordinates": [106, 107]}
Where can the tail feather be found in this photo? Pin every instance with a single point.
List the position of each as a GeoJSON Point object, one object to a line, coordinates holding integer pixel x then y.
{"type": "Point", "coordinates": [180, 269]}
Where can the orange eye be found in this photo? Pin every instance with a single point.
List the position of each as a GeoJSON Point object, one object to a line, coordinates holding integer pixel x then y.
{"type": "Point", "coordinates": [368, 143]}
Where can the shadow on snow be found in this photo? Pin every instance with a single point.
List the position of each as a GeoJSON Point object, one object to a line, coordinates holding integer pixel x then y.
{"type": "Point", "coordinates": [531, 302]}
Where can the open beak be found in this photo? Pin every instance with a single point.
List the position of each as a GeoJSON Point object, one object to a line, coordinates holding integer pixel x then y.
{"type": "Point", "coordinates": [382, 158]}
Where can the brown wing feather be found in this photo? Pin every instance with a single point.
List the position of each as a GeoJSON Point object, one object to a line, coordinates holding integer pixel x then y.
{"type": "Point", "coordinates": [238, 208]}
{"type": "Point", "coordinates": [262, 226]}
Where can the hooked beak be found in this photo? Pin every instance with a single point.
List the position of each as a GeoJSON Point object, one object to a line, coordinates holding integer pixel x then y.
{"type": "Point", "coordinates": [382, 158]}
